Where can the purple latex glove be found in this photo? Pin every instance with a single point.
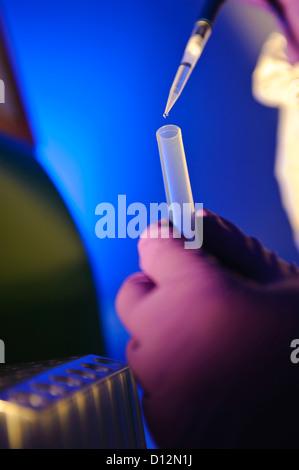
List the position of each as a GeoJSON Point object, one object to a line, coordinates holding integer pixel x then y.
{"type": "Point", "coordinates": [287, 13]}
{"type": "Point", "coordinates": [211, 333]}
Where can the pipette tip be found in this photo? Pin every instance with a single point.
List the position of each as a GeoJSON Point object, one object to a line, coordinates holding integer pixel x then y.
{"type": "Point", "coordinates": [173, 96]}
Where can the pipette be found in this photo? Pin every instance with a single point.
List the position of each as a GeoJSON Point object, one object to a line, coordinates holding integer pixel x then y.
{"type": "Point", "coordinates": [198, 39]}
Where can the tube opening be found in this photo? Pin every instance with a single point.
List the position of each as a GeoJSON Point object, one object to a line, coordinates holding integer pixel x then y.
{"type": "Point", "coordinates": [168, 132]}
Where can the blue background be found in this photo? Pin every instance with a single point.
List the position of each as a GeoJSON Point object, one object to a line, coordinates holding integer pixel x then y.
{"type": "Point", "coordinates": [95, 76]}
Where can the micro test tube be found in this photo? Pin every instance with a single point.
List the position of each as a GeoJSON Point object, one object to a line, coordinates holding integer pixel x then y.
{"type": "Point", "coordinates": [175, 172]}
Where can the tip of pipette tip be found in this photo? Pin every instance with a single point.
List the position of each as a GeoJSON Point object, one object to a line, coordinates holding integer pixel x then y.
{"type": "Point", "coordinates": [170, 102]}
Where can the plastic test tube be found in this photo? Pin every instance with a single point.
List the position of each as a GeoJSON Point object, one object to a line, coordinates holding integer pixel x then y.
{"type": "Point", "coordinates": [175, 171]}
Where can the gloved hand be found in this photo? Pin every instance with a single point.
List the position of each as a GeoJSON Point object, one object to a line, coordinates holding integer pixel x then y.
{"type": "Point", "coordinates": [211, 333]}
{"type": "Point", "coordinates": [287, 13]}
